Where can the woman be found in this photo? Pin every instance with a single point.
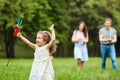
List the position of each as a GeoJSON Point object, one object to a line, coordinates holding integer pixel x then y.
{"type": "Point", "coordinates": [80, 38]}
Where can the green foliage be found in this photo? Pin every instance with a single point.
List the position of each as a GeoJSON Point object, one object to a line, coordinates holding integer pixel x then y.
{"type": "Point", "coordinates": [11, 10]}
{"type": "Point", "coordinates": [60, 18]}
{"type": "Point", "coordinates": [94, 12]}
{"type": "Point", "coordinates": [65, 14]}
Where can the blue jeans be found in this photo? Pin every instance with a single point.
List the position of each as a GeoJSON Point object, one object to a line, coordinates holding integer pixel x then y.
{"type": "Point", "coordinates": [108, 50]}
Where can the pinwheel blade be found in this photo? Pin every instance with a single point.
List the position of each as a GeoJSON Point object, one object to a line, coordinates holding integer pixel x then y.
{"type": "Point", "coordinates": [19, 22]}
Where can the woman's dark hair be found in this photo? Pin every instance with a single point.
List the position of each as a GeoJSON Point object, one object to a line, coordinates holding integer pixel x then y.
{"type": "Point", "coordinates": [84, 30]}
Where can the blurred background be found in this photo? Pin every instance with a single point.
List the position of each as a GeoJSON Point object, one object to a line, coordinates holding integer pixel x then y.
{"type": "Point", "coordinates": [65, 14]}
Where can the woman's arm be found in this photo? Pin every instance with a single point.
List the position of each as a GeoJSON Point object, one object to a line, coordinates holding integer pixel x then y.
{"type": "Point", "coordinates": [74, 39]}
{"type": "Point", "coordinates": [32, 45]}
{"type": "Point", "coordinates": [52, 37]}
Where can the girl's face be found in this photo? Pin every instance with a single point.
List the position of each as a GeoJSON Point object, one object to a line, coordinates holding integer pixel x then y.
{"type": "Point", "coordinates": [39, 40]}
{"type": "Point", "coordinates": [81, 27]}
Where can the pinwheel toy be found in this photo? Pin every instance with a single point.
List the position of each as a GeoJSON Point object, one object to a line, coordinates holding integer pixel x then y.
{"type": "Point", "coordinates": [17, 27]}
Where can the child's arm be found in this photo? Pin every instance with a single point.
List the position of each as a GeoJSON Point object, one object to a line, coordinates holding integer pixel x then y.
{"type": "Point", "coordinates": [32, 45]}
{"type": "Point", "coordinates": [52, 37]}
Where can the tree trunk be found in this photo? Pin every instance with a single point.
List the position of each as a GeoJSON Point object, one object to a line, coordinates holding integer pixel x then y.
{"type": "Point", "coordinates": [9, 41]}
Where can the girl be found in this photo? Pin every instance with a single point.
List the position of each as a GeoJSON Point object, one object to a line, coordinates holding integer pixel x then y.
{"type": "Point", "coordinates": [42, 68]}
{"type": "Point", "coordinates": [80, 38]}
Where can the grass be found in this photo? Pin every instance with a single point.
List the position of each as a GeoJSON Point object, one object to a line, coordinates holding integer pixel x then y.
{"type": "Point", "coordinates": [65, 69]}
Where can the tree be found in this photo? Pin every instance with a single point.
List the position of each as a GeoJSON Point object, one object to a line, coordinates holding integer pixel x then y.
{"type": "Point", "coordinates": [60, 17]}
{"type": "Point", "coordinates": [93, 13]}
{"type": "Point", "coordinates": [65, 14]}
{"type": "Point", "coordinates": [10, 11]}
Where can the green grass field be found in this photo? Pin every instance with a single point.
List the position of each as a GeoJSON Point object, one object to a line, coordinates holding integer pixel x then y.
{"type": "Point", "coordinates": [65, 69]}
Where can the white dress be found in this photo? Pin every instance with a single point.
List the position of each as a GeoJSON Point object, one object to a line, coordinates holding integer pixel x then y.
{"type": "Point", "coordinates": [42, 68]}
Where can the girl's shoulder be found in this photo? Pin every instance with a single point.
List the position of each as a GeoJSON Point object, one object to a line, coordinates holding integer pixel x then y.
{"type": "Point", "coordinates": [41, 47]}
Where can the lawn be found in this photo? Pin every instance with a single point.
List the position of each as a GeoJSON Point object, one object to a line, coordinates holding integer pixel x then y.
{"type": "Point", "coordinates": [65, 69]}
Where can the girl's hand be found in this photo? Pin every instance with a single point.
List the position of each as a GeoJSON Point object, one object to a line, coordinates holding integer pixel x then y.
{"type": "Point", "coordinates": [52, 27]}
{"type": "Point", "coordinates": [19, 34]}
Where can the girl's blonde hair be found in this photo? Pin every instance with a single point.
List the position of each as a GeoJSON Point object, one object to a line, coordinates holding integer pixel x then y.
{"type": "Point", "coordinates": [47, 39]}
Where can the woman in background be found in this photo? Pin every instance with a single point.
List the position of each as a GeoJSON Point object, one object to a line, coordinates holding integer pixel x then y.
{"type": "Point", "coordinates": [80, 38]}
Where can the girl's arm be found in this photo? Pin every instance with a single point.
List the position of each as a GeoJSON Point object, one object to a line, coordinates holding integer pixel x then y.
{"type": "Point", "coordinates": [52, 37]}
{"type": "Point", "coordinates": [32, 45]}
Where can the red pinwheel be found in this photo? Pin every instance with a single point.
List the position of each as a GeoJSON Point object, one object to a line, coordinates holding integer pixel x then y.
{"type": "Point", "coordinates": [16, 30]}
{"type": "Point", "coordinates": [17, 27]}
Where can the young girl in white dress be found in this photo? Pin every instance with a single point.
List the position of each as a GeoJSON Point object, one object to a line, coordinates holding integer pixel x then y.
{"type": "Point", "coordinates": [42, 68]}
